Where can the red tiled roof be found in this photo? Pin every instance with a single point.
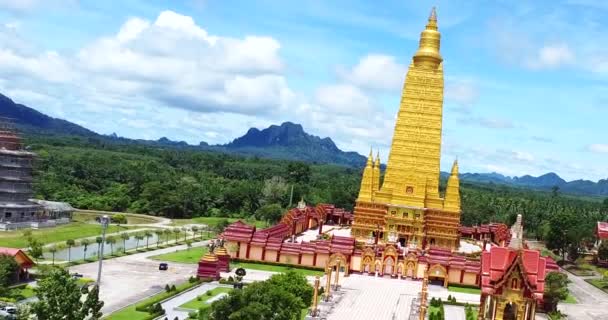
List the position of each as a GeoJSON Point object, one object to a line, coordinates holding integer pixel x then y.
{"type": "Point", "coordinates": [499, 261]}
{"type": "Point", "coordinates": [274, 244]}
{"type": "Point", "coordinates": [291, 248]}
{"type": "Point", "coordinates": [239, 231]}
{"type": "Point", "coordinates": [21, 257]}
{"type": "Point", "coordinates": [602, 230]}
{"type": "Point", "coordinates": [9, 251]}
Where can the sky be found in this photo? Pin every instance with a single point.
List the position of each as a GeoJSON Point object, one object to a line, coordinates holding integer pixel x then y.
{"type": "Point", "coordinates": [526, 82]}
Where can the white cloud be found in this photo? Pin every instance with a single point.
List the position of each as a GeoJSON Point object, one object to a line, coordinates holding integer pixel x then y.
{"type": "Point", "coordinates": [343, 99]}
{"type": "Point", "coordinates": [551, 57]}
{"type": "Point", "coordinates": [598, 147]}
{"type": "Point", "coordinates": [522, 156]}
{"type": "Point", "coordinates": [462, 92]}
{"type": "Point", "coordinates": [375, 72]}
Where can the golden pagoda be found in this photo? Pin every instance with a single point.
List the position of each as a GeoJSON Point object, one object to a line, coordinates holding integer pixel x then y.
{"type": "Point", "coordinates": [408, 201]}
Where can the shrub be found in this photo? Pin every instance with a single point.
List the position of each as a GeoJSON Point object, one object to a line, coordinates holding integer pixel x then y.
{"type": "Point", "coordinates": [173, 288]}
{"type": "Point", "coordinates": [167, 288]}
{"type": "Point", "coordinates": [209, 293]}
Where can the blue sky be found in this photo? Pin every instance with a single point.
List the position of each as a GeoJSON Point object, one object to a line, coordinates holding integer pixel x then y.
{"type": "Point", "coordinates": [526, 81]}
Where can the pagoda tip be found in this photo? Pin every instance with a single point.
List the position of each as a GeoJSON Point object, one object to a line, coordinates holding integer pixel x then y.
{"type": "Point", "coordinates": [433, 15]}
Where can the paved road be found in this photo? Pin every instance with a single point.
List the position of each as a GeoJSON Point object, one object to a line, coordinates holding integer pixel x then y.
{"type": "Point", "coordinates": [126, 280]}
{"type": "Point", "coordinates": [592, 302]}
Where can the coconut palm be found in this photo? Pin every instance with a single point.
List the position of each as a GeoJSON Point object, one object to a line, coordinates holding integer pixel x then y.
{"type": "Point", "coordinates": [189, 244]}
{"type": "Point", "coordinates": [176, 231]}
{"type": "Point", "coordinates": [98, 240]}
{"type": "Point", "coordinates": [124, 236]}
{"type": "Point", "coordinates": [53, 249]}
{"type": "Point", "coordinates": [194, 231]}
{"type": "Point", "coordinates": [167, 233]}
{"type": "Point", "coordinates": [70, 243]}
{"type": "Point", "coordinates": [111, 240]}
{"type": "Point", "coordinates": [138, 237]}
{"type": "Point", "coordinates": [185, 230]}
{"type": "Point", "coordinates": [85, 245]}
{"type": "Point", "coordinates": [148, 235]}
{"type": "Point", "coordinates": [159, 233]}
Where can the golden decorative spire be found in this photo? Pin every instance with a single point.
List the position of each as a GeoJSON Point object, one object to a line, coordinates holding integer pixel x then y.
{"type": "Point", "coordinates": [411, 177]}
{"type": "Point", "coordinates": [210, 257]}
{"type": "Point", "coordinates": [376, 175]}
{"type": "Point", "coordinates": [428, 50]}
{"type": "Point", "coordinates": [452, 190]}
{"type": "Point", "coordinates": [365, 192]}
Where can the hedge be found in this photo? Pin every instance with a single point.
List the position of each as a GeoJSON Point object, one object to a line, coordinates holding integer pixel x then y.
{"type": "Point", "coordinates": [143, 306]}
{"type": "Point", "coordinates": [271, 263]}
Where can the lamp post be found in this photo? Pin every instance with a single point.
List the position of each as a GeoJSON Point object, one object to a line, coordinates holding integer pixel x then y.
{"type": "Point", "coordinates": [315, 298]}
{"type": "Point", "coordinates": [105, 220]}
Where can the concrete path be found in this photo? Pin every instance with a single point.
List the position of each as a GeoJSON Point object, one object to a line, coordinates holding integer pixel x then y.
{"type": "Point", "coordinates": [454, 312]}
{"type": "Point", "coordinates": [171, 306]}
{"type": "Point", "coordinates": [592, 302]}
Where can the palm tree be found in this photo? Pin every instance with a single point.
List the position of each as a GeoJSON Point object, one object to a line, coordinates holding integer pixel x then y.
{"type": "Point", "coordinates": [70, 243]}
{"type": "Point", "coordinates": [185, 230]}
{"type": "Point", "coordinates": [53, 249]}
{"type": "Point", "coordinates": [124, 236]}
{"type": "Point", "coordinates": [138, 237]}
{"type": "Point", "coordinates": [111, 240]}
{"type": "Point", "coordinates": [159, 233]}
{"type": "Point", "coordinates": [167, 233]}
{"type": "Point", "coordinates": [148, 235]}
{"type": "Point", "coordinates": [189, 244]}
{"type": "Point", "coordinates": [194, 231]}
{"type": "Point", "coordinates": [98, 240]}
{"type": "Point", "coordinates": [176, 232]}
{"type": "Point", "coordinates": [85, 245]}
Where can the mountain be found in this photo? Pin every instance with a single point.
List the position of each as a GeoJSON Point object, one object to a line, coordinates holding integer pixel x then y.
{"type": "Point", "coordinates": [287, 141]}
{"type": "Point", "coordinates": [290, 141]}
{"type": "Point", "coordinates": [28, 119]}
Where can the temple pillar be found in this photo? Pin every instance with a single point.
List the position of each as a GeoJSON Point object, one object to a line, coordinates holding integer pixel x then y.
{"type": "Point", "coordinates": [320, 227]}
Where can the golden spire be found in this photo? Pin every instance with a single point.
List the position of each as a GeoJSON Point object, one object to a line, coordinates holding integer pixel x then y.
{"type": "Point", "coordinates": [452, 191]}
{"type": "Point", "coordinates": [376, 175]}
{"type": "Point", "coordinates": [365, 192]}
{"type": "Point", "coordinates": [428, 50]}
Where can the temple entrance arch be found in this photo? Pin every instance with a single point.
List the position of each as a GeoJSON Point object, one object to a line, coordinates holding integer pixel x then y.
{"type": "Point", "coordinates": [400, 270]}
{"type": "Point", "coordinates": [411, 264]}
{"type": "Point", "coordinates": [338, 261]}
{"type": "Point", "coordinates": [438, 273]}
{"type": "Point", "coordinates": [389, 260]}
{"type": "Point", "coordinates": [367, 260]}
{"type": "Point", "coordinates": [510, 312]}
{"type": "Point", "coordinates": [378, 267]}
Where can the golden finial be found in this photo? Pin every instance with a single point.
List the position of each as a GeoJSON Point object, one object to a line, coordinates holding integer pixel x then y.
{"type": "Point", "coordinates": [433, 15]}
{"type": "Point", "coordinates": [428, 50]}
{"type": "Point", "coordinates": [455, 168]}
{"type": "Point", "coordinates": [370, 159]}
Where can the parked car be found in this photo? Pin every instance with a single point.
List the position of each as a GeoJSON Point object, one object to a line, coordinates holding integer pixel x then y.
{"type": "Point", "coordinates": [8, 312]}
{"type": "Point", "coordinates": [163, 266]}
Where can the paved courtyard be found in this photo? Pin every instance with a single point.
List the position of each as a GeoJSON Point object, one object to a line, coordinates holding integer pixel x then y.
{"type": "Point", "coordinates": [592, 302]}
{"type": "Point", "coordinates": [128, 279]}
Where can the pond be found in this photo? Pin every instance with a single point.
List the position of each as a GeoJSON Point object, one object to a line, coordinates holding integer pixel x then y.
{"type": "Point", "coordinates": [78, 253]}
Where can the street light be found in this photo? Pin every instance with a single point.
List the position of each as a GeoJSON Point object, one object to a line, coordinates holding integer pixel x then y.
{"type": "Point", "coordinates": [105, 220]}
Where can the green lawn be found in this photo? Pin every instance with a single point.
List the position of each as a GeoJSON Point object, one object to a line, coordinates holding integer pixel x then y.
{"type": "Point", "coordinates": [570, 299]}
{"type": "Point", "coordinates": [201, 300]}
{"type": "Point", "coordinates": [464, 290]}
{"type": "Point", "coordinates": [213, 221]}
{"type": "Point", "coordinates": [599, 283]}
{"type": "Point", "coordinates": [74, 230]}
{"type": "Point", "coordinates": [129, 313]}
{"type": "Point", "coordinates": [192, 255]}
{"type": "Point", "coordinates": [267, 267]}
{"type": "Point", "coordinates": [131, 219]}
{"type": "Point", "coordinates": [19, 293]}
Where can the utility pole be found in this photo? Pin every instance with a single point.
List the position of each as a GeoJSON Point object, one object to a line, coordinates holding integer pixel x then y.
{"type": "Point", "coordinates": [105, 220]}
{"type": "Point", "coordinates": [290, 197]}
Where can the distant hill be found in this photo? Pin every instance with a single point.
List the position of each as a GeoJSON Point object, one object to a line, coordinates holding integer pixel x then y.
{"type": "Point", "coordinates": [286, 141]}
{"type": "Point", "coordinates": [290, 141]}
{"type": "Point", "coordinates": [28, 119]}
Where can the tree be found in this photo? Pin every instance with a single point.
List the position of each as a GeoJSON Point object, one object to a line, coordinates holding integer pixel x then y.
{"type": "Point", "coordinates": [167, 233]}
{"type": "Point", "coordinates": [602, 251]}
{"type": "Point", "coordinates": [562, 233]}
{"type": "Point", "coordinates": [298, 172]}
{"type": "Point", "coordinates": [194, 231]}
{"type": "Point", "coordinates": [53, 249]}
{"type": "Point", "coordinates": [125, 236]}
{"type": "Point", "coordinates": [99, 241]}
{"type": "Point", "coordinates": [59, 298]}
{"type": "Point", "coordinates": [556, 289]}
{"type": "Point", "coordinates": [148, 235]}
{"type": "Point", "coordinates": [275, 190]}
{"type": "Point", "coordinates": [221, 225]}
{"type": "Point", "coordinates": [35, 248]}
{"type": "Point", "coordinates": [111, 240]}
{"type": "Point", "coordinates": [85, 246]}
{"type": "Point", "coordinates": [8, 271]}
{"type": "Point", "coordinates": [138, 237]}
{"type": "Point", "coordinates": [119, 218]}
{"type": "Point", "coordinates": [295, 283]}
{"type": "Point", "coordinates": [604, 208]}
{"type": "Point", "coordinates": [185, 230]}
{"type": "Point", "coordinates": [189, 244]}
{"type": "Point", "coordinates": [159, 236]}
{"type": "Point", "coordinates": [270, 212]}
{"type": "Point", "coordinates": [176, 232]}
{"type": "Point", "coordinates": [70, 243]}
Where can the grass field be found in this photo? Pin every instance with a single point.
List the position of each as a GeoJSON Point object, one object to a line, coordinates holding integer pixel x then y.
{"type": "Point", "coordinates": [213, 221]}
{"type": "Point", "coordinates": [599, 283]}
{"type": "Point", "coordinates": [267, 267]}
{"type": "Point", "coordinates": [201, 301]}
{"type": "Point", "coordinates": [74, 230]}
{"type": "Point", "coordinates": [464, 290]}
{"type": "Point", "coordinates": [192, 255]}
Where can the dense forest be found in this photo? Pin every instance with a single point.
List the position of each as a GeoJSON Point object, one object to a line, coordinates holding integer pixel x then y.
{"type": "Point", "coordinates": [182, 183]}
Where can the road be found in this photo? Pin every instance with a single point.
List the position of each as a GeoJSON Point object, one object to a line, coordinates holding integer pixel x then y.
{"type": "Point", "coordinates": [593, 302]}
{"type": "Point", "coordinates": [126, 280]}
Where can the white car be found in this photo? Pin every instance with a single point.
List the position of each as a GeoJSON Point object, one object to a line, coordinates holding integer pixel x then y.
{"type": "Point", "coordinates": [8, 312]}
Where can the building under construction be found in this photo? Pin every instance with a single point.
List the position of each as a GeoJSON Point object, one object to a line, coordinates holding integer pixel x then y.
{"type": "Point", "coordinates": [17, 210]}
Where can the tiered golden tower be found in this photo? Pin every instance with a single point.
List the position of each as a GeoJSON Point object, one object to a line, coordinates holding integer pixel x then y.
{"type": "Point", "coordinates": [408, 202]}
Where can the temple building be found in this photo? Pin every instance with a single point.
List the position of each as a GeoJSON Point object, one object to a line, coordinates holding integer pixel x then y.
{"type": "Point", "coordinates": [408, 203]}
